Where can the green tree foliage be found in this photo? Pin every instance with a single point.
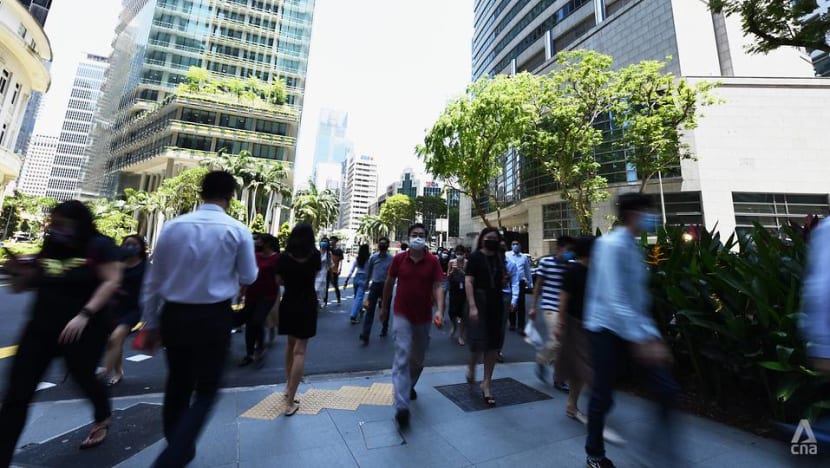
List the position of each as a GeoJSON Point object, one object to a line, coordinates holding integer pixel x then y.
{"type": "Point", "coordinates": [25, 213]}
{"type": "Point", "coordinates": [277, 92]}
{"type": "Point", "coordinates": [372, 227]}
{"type": "Point", "coordinates": [320, 208]}
{"type": "Point", "coordinates": [398, 211]}
{"type": "Point", "coordinates": [779, 23]}
{"type": "Point", "coordinates": [197, 79]}
{"type": "Point", "coordinates": [113, 218]}
{"type": "Point", "coordinates": [465, 145]}
{"type": "Point", "coordinates": [431, 207]}
{"type": "Point", "coordinates": [259, 224]}
{"type": "Point", "coordinates": [282, 235]}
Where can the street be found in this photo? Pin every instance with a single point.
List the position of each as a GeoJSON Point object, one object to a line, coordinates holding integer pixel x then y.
{"type": "Point", "coordinates": [336, 349]}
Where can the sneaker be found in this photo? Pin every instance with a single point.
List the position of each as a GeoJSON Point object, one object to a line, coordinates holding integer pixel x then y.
{"type": "Point", "coordinates": [402, 417]}
{"type": "Point", "coordinates": [541, 373]}
{"type": "Point", "coordinates": [594, 462]}
{"type": "Point", "coordinates": [413, 395]}
{"type": "Point", "coordinates": [562, 387]}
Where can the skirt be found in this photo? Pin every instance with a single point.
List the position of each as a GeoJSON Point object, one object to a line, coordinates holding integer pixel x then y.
{"type": "Point", "coordinates": [487, 332]}
{"type": "Point", "coordinates": [574, 359]}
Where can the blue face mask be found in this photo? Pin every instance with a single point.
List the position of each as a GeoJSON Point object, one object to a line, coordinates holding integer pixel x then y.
{"type": "Point", "coordinates": [517, 249]}
{"type": "Point", "coordinates": [649, 222]}
{"type": "Point", "coordinates": [568, 256]}
{"type": "Point", "coordinates": [324, 245]}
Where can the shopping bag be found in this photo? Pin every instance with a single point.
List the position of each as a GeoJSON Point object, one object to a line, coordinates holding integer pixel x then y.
{"type": "Point", "coordinates": [532, 336]}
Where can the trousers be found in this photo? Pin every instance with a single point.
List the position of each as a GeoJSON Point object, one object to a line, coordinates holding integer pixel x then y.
{"type": "Point", "coordinates": [411, 342]}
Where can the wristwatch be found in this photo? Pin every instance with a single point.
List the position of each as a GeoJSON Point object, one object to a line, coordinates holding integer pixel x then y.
{"type": "Point", "coordinates": [86, 312]}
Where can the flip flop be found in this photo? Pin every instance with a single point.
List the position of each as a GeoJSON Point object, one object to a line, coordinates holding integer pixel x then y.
{"type": "Point", "coordinates": [97, 435]}
{"type": "Point", "coordinates": [115, 380]}
{"type": "Point", "coordinates": [293, 408]}
{"type": "Point", "coordinates": [488, 399]}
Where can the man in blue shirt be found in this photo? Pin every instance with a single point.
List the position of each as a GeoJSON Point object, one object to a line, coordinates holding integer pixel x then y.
{"type": "Point", "coordinates": [618, 319]}
{"type": "Point", "coordinates": [522, 263]}
{"type": "Point", "coordinates": [377, 268]}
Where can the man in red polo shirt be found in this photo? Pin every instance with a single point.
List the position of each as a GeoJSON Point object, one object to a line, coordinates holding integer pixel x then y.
{"type": "Point", "coordinates": [419, 277]}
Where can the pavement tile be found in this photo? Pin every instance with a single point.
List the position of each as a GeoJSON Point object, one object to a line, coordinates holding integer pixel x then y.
{"type": "Point", "coordinates": [262, 440]}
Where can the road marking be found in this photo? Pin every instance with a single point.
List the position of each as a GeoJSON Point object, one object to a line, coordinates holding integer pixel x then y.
{"type": "Point", "coordinates": [139, 358]}
{"type": "Point", "coordinates": [8, 351]}
{"type": "Point", "coordinates": [44, 386]}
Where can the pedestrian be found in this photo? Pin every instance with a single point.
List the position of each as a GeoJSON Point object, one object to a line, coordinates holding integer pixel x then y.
{"type": "Point", "coordinates": [487, 275]}
{"type": "Point", "coordinates": [548, 284]}
{"type": "Point", "coordinates": [456, 273]}
{"type": "Point", "coordinates": [359, 272]}
{"type": "Point", "coordinates": [333, 277]}
{"type": "Point", "coordinates": [200, 261]}
{"type": "Point", "coordinates": [522, 262]}
{"type": "Point", "coordinates": [618, 319]}
{"type": "Point", "coordinates": [418, 275]}
{"type": "Point", "coordinates": [73, 277]}
{"type": "Point", "coordinates": [261, 298]}
{"type": "Point", "coordinates": [377, 270]}
{"type": "Point", "coordinates": [125, 311]}
{"type": "Point", "coordinates": [321, 283]}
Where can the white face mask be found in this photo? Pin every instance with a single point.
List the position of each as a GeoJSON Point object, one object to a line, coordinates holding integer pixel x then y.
{"type": "Point", "coordinates": [417, 243]}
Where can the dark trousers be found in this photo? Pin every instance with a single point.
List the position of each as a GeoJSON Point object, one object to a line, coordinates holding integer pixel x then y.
{"type": "Point", "coordinates": [375, 296]}
{"type": "Point", "coordinates": [517, 318]}
{"type": "Point", "coordinates": [255, 313]}
{"type": "Point", "coordinates": [332, 279]}
{"type": "Point", "coordinates": [608, 354]}
{"type": "Point", "coordinates": [458, 300]}
{"type": "Point", "coordinates": [34, 353]}
{"type": "Point", "coordinates": [196, 338]}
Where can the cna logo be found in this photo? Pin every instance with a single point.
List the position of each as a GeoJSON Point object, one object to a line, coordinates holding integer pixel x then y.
{"type": "Point", "coordinates": [808, 446]}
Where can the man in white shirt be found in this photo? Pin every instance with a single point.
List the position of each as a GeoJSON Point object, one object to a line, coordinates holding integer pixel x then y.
{"type": "Point", "coordinates": [199, 263]}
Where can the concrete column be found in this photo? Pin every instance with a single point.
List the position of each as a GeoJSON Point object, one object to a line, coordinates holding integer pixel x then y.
{"type": "Point", "coordinates": [170, 167]}
{"type": "Point", "coordinates": [548, 45]}
{"type": "Point", "coordinates": [142, 185]}
{"type": "Point", "coordinates": [599, 10]}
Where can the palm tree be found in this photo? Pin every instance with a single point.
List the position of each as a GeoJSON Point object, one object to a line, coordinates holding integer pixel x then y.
{"type": "Point", "coordinates": [318, 208]}
{"type": "Point", "coordinates": [273, 182]}
{"type": "Point", "coordinates": [372, 227]}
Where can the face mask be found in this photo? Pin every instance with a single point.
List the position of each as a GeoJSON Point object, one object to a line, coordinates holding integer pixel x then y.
{"type": "Point", "coordinates": [62, 235]}
{"type": "Point", "coordinates": [324, 245]}
{"type": "Point", "coordinates": [649, 222]}
{"type": "Point", "coordinates": [459, 256]}
{"type": "Point", "coordinates": [383, 247]}
{"type": "Point", "coordinates": [258, 247]}
{"type": "Point", "coordinates": [130, 250]}
{"type": "Point", "coordinates": [491, 244]}
{"type": "Point", "coordinates": [417, 243]}
{"type": "Point", "coordinates": [517, 249]}
{"type": "Point", "coordinates": [568, 256]}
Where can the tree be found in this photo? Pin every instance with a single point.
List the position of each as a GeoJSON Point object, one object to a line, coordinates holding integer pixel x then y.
{"type": "Point", "coordinates": [235, 86]}
{"type": "Point", "coordinates": [282, 235]}
{"type": "Point", "coordinates": [431, 207]}
{"type": "Point", "coordinates": [465, 146]}
{"type": "Point", "coordinates": [258, 225]}
{"type": "Point", "coordinates": [318, 208]}
{"type": "Point", "coordinates": [25, 213]}
{"type": "Point", "coordinates": [273, 183]}
{"type": "Point", "coordinates": [654, 109]}
{"type": "Point", "coordinates": [397, 212]}
{"type": "Point", "coordinates": [567, 106]}
{"type": "Point", "coordinates": [256, 88]}
{"type": "Point", "coordinates": [113, 218]}
{"type": "Point", "coordinates": [276, 92]}
{"type": "Point", "coordinates": [779, 23]}
{"type": "Point", "coordinates": [372, 227]}
{"type": "Point", "coordinates": [197, 79]}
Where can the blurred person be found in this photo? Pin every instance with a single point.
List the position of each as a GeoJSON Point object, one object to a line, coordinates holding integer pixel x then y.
{"type": "Point", "coordinates": [418, 275]}
{"type": "Point", "coordinates": [522, 262]}
{"type": "Point", "coordinates": [296, 271]}
{"type": "Point", "coordinates": [548, 285]}
{"type": "Point", "coordinates": [618, 319]}
{"type": "Point", "coordinates": [73, 278]}
{"type": "Point", "coordinates": [456, 273]}
{"type": "Point", "coordinates": [815, 323]}
{"type": "Point", "coordinates": [488, 276]}
{"type": "Point", "coordinates": [321, 283]}
{"type": "Point", "coordinates": [333, 277]}
{"type": "Point", "coordinates": [359, 272]}
{"type": "Point", "coordinates": [125, 310]}
{"type": "Point", "coordinates": [377, 270]}
{"type": "Point", "coordinates": [261, 298]}
{"type": "Point", "coordinates": [200, 261]}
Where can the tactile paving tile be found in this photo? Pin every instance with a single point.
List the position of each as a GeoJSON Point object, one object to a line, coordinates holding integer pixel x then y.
{"type": "Point", "coordinates": [315, 400]}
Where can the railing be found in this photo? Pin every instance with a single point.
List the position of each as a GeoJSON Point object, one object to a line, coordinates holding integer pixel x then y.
{"type": "Point", "coordinates": [228, 132]}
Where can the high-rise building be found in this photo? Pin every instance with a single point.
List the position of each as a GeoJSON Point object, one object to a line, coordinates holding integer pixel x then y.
{"type": "Point", "coordinates": [148, 128]}
{"type": "Point", "coordinates": [821, 60]}
{"type": "Point", "coordinates": [757, 155]}
{"type": "Point", "coordinates": [24, 53]}
{"type": "Point", "coordinates": [332, 146]}
{"type": "Point", "coordinates": [70, 157]}
{"type": "Point", "coordinates": [37, 167]}
{"type": "Point", "coordinates": [39, 9]}
{"type": "Point", "coordinates": [359, 190]}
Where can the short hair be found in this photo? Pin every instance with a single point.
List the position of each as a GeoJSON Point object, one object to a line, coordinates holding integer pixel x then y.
{"type": "Point", "coordinates": [142, 244]}
{"type": "Point", "coordinates": [564, 240]}
{"type": "Point", "coordinates": [632, 202]}
{"type": "Point", "coordinates": [218, 185]}
{"type": "Point", "coordinates": [460, 248]}
{"type": "Point", "coordinates": [334, 239]}
{"type": "Point", "coordinates": [417, 226]}
{"type": "Point", "coordinates": [271, 241]}
{"type": "Point", "coordinates": [383, 239]}
{"type": "Point", "coordinates": [583, 246]}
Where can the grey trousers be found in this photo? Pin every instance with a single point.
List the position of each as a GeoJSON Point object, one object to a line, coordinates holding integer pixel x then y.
{"type": "Point", "coordinates": [411, 343]}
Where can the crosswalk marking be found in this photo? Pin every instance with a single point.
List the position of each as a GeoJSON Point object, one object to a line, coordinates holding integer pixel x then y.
{"type": "Point", "coordinates": [8, 351]}
{"type": "Point", "coordinates": [44, 386]}
{"type": "Point", "coordinates": [139, 358]}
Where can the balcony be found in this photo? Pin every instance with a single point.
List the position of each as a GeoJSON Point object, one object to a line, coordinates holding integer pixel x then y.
{"type": "Point", "coordinates": [9, 166]}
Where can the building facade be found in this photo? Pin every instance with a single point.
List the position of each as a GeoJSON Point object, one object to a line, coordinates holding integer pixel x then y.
{"type": "Point", "coordinates": [39, 9]}
{"type": "Point", "coordinates": [749, 156]}
{"type": "Point", "coordinates": [358, 191]}
{"type": "Point", "coordinates": [157, 43]}
{"type": "Point", "coordinates": [70, 157]}
{"type": "Point", "coordinates": [37, 166]}
{"type": "Point", "coordinates": [24, 52]}
{"type": "Point", "coordinates": [821, 60]}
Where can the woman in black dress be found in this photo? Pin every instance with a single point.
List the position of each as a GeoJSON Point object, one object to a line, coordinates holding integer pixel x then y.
{"type": "Point", "coordinates": [485, 279]}
{"type": "Point", "coordinates": [74, 278]}
{"type": "Point", "coordinates": [296, 271]}
{"type": "Point", "coordinates": [125, 312]}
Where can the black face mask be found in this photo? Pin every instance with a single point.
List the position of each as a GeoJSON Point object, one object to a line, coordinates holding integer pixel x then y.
{"type": "Point", "coordinates": [383, 247]}
{"type": "Point", "coordinates": [259, 248]}
{"type": "Point", "coordinates": [491, 244]}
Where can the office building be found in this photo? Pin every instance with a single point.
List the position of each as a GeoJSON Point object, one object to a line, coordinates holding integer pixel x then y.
{"type": "Point", "coordinates": [149, 128]}
{"type": "Point", "coordinates": [24, 52]}
{"type": "Point", "coordinates": [757, 155]}
{"type": "Point", "coordinates": [70, 157]}
{"type": "Point", "coordinates": [39, 9]}
{"type": "Point", "coordinates": [332, 145]}
{"type": "Point", "coordinates": [821, 59]}
{"type": "Point", "coordinates": [359, 190]}
{"type": "Point", "coordinates": [413, 185]}
{"type": "Point", "coordinates": [37, 166]}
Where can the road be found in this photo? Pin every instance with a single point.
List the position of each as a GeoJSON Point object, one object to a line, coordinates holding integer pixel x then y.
{"type": "Point", "coordinates": [335, 349]}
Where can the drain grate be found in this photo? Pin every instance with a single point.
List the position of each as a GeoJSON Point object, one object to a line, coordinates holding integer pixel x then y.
{"type": "Point", "coordinates": [507, 392]}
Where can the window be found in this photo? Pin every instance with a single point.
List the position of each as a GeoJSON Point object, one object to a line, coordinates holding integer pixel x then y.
{"type": "Point", "coordinates": [16, 93]}
{"type": "Point", "coordinates": [682, 208]}
{"type": "Point", "coordinates": [558, 219]}
{"type": "Point", "coordinates": [241, 123]}
{"type": "Point", "coordinates": [21, 31]}
{"type": "Point", "coordinates": [773, 210]}
{"type": "Point", "coordinates": [198, 143]}
{"type": "Point", "coordinates": [3, 134]}
{"type": "Point", "coordinates": [5, 76]}
{"type": "Point", "coordinates": [198, 116]}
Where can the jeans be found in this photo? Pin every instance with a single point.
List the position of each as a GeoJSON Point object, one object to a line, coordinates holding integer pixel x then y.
{"type": "Point", "coordinates": [359, 291]}
{"type": "Point", "coordinates": [332, 278]}
{"type": "Point", "coordinates": [375, 295]}
{"type": "Point", "coordinates": [411, 341]}
{"type": "Point", "coordinates": [608, 352]}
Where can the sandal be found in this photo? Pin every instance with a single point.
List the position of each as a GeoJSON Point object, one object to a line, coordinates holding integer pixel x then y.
{"type": "Point", "coordinates": [292, 408]}
{"type": "Point", "coordinates": [488, 399]}
{"type": "Point", "coordinates": [97, 435]}
{"type": "Point", "coordinates": [577, 415]}
{"type": "Point", "coordinates": [115, 380]}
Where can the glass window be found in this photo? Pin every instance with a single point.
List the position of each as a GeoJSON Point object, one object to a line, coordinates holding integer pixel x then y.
{"type": "Point", "coordinates": [232, 121]}
{"type": "Point", "coordinates": [558, 219]}
{"type": "Point", "coordinates": [198, 116]}
{"type": "Point", "coordinates": [773, 210]}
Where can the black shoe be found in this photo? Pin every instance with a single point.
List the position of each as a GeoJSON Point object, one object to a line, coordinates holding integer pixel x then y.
{"type": "Point", "coordinates": [384, 332]}
{"type": "Point", "coordinates": [402, 417]}
{"type": "Point", "coordinates": [562, 386]}
{"type": "Point", "coordinates": [364, 339]}
{"type": "Point", "coordinates": [355, 321]}
{"type": "Point", "coordinates": [500, 357]}
{"type": "Point", "coordinates": [413, 395]}
{"type": "Point", "coordinates": [245, 361]}
{"type": "Point", "coordinates": [598, 463]}
{"type": "Point", "coordinates": [541, 373]}
{"type": "Point", "coordinates": [259, 360]}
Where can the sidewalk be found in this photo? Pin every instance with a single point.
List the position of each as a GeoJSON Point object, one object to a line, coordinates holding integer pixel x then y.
{"type": "Point", "coordinates": [244, 431]}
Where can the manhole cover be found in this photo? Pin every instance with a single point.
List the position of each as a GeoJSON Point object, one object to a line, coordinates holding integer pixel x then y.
{"type": "Point", "coordinates": [507, 392]}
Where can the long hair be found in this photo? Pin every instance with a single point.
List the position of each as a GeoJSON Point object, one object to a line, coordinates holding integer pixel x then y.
{"type": "Point", "coordinates": [363, 255]}
{"type": "Point", "coordinates": [84, 224]}
{"type": "Point", "coordinates": [142, 244]}
{"type": "Point", "coordinates": [484, 232]}
{"type": "Point", "coordinates": [501, 268]}
{"type": "Point", "coordinates": [301, 241]}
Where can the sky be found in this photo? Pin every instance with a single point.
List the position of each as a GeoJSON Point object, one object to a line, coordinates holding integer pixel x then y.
{"type": "Point", "coordinates": [392, 65]}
